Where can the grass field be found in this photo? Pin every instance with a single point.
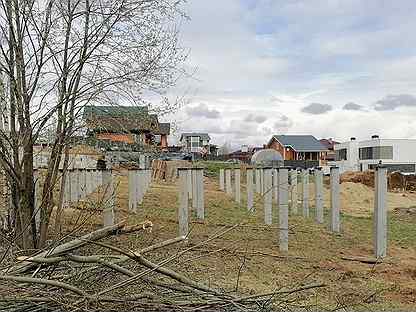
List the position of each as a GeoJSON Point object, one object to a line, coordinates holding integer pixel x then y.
{"type": "Point", "coordinates": [246, 258]}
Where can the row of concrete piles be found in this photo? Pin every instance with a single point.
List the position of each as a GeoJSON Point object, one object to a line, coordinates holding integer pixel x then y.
{"type": "Point", "coordinates": [81, 183]}
{"type": "Point", "coordinates": [283, 185]}
{"type": "Point", "coordinates": [191, 195]}
{"type": "Point", "coordinates": [139, 182]}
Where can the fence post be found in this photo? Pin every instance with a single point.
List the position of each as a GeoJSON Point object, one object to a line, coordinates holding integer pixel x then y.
{"type": "Point", "coordinates": [237, 178]}
{"type": "Point", "coordinates": [305, 192]}
{"type": "Point", "coordinates": [319, 207]}
{"type": "Point", "coordinates": [200, 211]}
{"type": "Point", "coordinates": [283, 210]}
{"type": "Point", "coordinates": [294, 190]}
{"type": "Point", "coordinates": [74, 185]}
{"type": "Point", "coordinates": [268, 196]}
{"type": "Point", "coordinates": [380, 212]}
{"type": "Point", "coordinates": [258, 184]}
{"type": "Point", "coordinates": [335, 203]}
{"type": "Point", "coordinates": [98, 178]}
{"type": "Point", "coordinates": [139, 186]}
{"type": "Point", "coordinates": [183, 201]}
{"type": "Point", "coordinates": [194, 188]}
{"type": "Point", "coordinates": [83, 183]}
{"type": "Point", "coordinates": [228, 187]}
{"type": "Point", "coordinates": [250, 190]}
{"type": "Point", "coordinates": [93, 186]}
{"type": "Point", "coordinates": [222, 180]}
{"type": "Point", "coordinates": [88, 179]}
{"type": "Point", "coordinates": [109, 214]}
{"type": "Point", "coordinates": [132, 190]}
{"type": "Point", "coordinates": [276, 185]}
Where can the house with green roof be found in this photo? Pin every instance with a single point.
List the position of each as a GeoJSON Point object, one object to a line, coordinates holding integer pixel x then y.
{"type": "Point", "coordinates": [127, 124]}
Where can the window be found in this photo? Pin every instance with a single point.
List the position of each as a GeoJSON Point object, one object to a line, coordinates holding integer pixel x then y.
{"type": "Point", "coordinates": [376, 152]}
{"type": "Point", "coordinates": [341, 154]}
{"type": "Point", "coordinates": [383, 152]}
{"type": "Point", "coordinates": [194, 141]}
{"type": "Point", "coordinates": [366, 153]}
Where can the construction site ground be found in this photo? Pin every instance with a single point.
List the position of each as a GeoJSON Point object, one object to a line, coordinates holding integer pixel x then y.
{"type": "Point", "coordinates": [245, 258]}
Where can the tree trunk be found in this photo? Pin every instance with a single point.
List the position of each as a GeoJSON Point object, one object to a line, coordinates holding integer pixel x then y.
{"type": "Point", "coordinates": [59, 211]}
{"type": "Point", "coordinates": [27, 199]}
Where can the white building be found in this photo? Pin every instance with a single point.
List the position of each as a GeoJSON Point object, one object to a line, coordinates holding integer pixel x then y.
{"type": "Point", "coordinates": [396, 154]}
{"type": "Point", "coordinates": [195, 142]}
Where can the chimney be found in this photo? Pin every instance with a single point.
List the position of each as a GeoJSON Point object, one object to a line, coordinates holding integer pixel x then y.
{"type": "Point", "coordinates": [375, 136]}
{"type": "Point", "coordinates": [353, 139]}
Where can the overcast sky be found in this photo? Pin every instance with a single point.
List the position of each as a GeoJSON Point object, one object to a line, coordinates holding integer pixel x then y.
{"type": "Point", "coordinates": [330, 68]}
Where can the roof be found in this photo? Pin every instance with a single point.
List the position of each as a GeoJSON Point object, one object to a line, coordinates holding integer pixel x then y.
{"type": "Point", "coordinates": [251, 150]}
{"type": "Point", "coordinates": [123, 119]}
{"type": "Point", "coordinates": [204, 136]}
{"type": "Point", "coordinates": [328, 143]}
{"type": "Point", "coordinates": [122, 124]}
{"type": "Point", "coordinates": [91, 111]}
{"type": "Point", "coordinates": [300, 143]}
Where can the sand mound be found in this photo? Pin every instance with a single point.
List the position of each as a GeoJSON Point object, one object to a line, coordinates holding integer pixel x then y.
{"type": "Point", "coordinates": [396, 181]}
{"type": "Point", "coordinates": [363, 177]}
{"type": "Point", "coordinates": [358, 199]}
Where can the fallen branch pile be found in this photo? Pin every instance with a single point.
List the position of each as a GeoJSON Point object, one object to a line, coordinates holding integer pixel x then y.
{"type": "Point", "coordinates": [68, 277]}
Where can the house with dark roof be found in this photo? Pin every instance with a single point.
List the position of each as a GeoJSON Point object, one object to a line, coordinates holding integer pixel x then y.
{"type": "Point", "coordinates": [127, 124]}
{"type": "Point", "coordinates": [298, 147]}
{"type": "Point", "coordinates": [195, 142]}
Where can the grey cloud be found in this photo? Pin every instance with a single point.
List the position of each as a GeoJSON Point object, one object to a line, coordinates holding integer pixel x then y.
{"type": "Point", "coordinates": [282, 122]}
{"type": "Point", "coordinates": [391, 102]}
{"type": "Point", "coordinates": [316, 108]}
{"type": "Point", "coordinates": [276, 99]}
{"type": "Point", "coordinates": [353, 107]}
{"type": "Point", "coordinates": [253, 118]}
{"type": "Point", "coordinates": [202, 110]}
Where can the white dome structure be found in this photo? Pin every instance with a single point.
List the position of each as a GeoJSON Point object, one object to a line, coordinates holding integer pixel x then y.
{"type": "Point", "coordinates": [267, 157]}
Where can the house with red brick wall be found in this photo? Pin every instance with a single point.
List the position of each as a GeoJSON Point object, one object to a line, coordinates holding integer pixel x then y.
{"type": "Point", "coordinates": [329, 144]}
{"type": "Point", "coordinates": [126, 124]}
{"type": "Point", "coordinates": [298, 147]}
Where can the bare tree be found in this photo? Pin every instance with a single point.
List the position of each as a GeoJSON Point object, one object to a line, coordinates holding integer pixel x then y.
{"type": "Point", "coordinates": [56, 57]}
